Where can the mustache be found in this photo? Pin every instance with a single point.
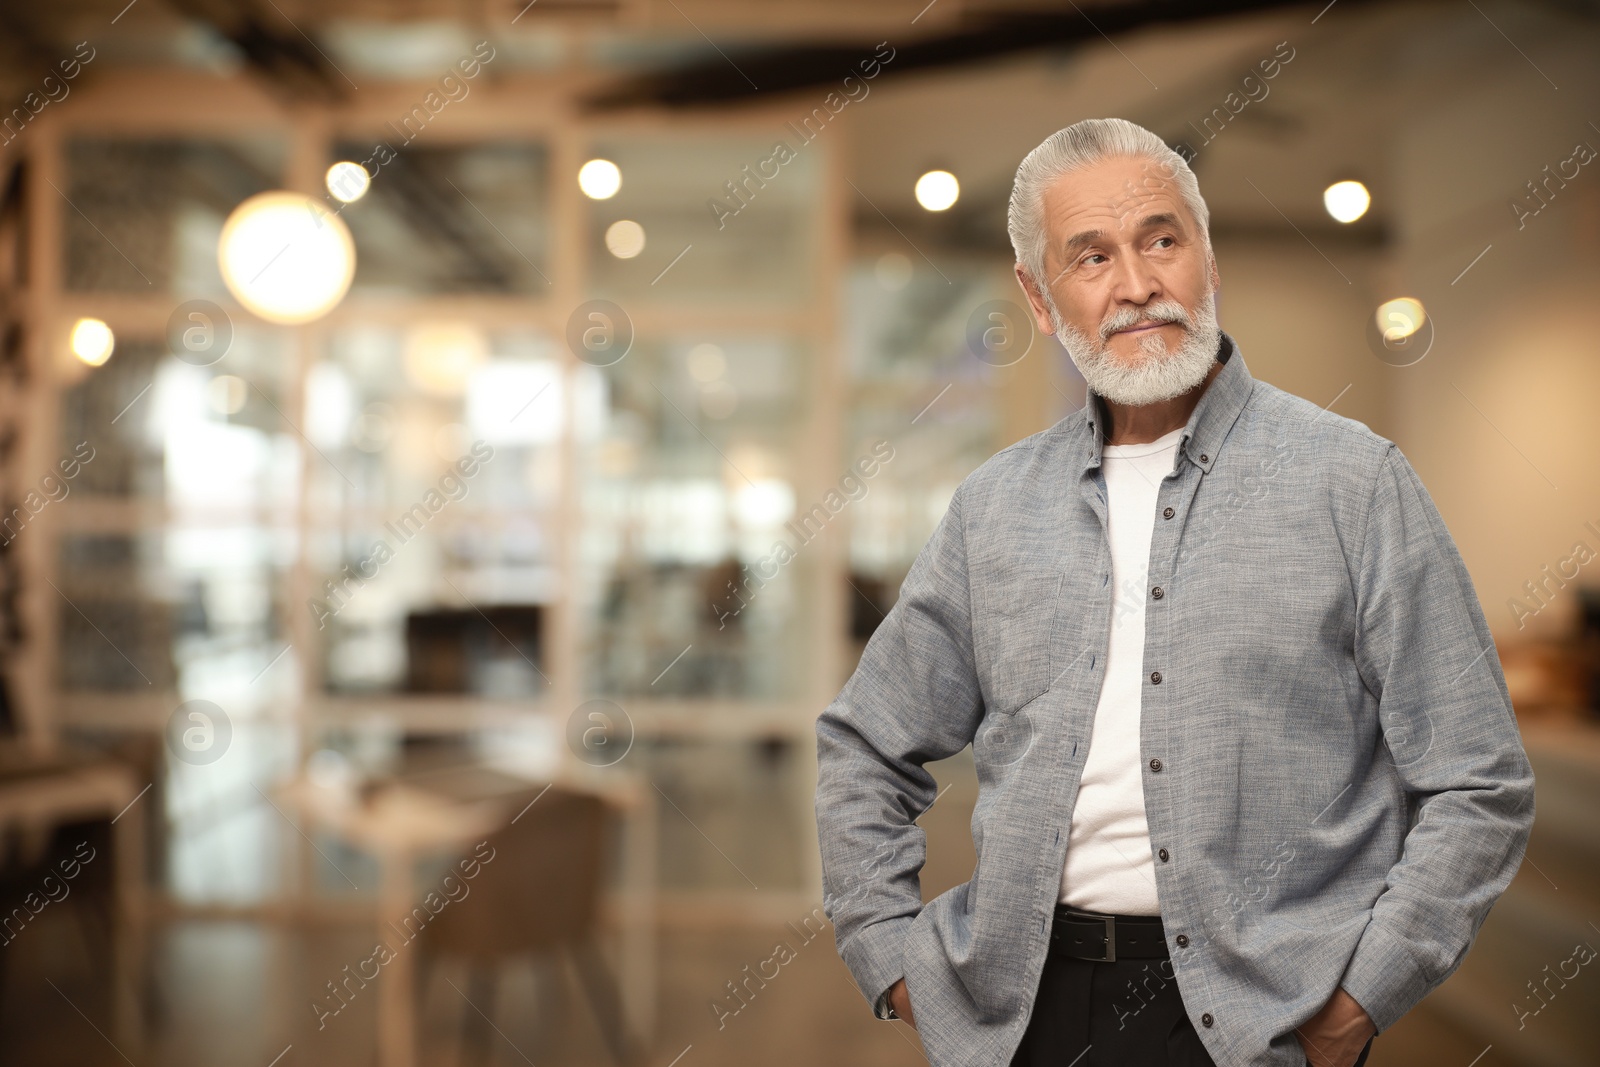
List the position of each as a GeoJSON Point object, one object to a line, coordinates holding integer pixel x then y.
{"type": "Point", "coordinates": [1161, 311]}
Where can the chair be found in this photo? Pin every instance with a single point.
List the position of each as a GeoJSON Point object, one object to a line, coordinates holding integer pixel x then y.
{"type": "Point", "coordinates": [88, 898]}
{"type": "Point", "coordinates": [538, 896]}
{"type": "Point", "coordinates": [59, 846]}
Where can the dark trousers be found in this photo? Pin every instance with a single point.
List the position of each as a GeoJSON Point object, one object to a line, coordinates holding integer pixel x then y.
{"type": "Point", "coordinates": [1122, 1014]}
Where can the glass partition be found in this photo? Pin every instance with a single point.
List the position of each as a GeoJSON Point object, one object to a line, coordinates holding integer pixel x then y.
{"type": "Point", "coordinates": [197, 439]}
{"type": "Point", "coordinates": [183, 592]}
{"type": "Point", "coordinates": [458, 609]}
{"type": "Point", "coordinates": [687, 474]}
{"type": "Point", "coordinates": [435, 496]}
{"type": "Point", "coordinates": [696, 222]}
{"type": "Point", "coordinates": [412, 507]}
{"type": "Point", "coordinates": [749, 796]}
{"type": "Point", "coordinates": [145, 213]}
{"type": "Point", "coordinates": [399, 412]}
{"type": "Point", "coordinates": [470, 218]}
{"type": "Point", "coordinates": [919, 393]}
{"type": "Point", "coordinates": [191, 610]}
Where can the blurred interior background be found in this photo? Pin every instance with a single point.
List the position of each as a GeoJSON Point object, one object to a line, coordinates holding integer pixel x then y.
{"type": "Point", "coordinates": [403, 405]}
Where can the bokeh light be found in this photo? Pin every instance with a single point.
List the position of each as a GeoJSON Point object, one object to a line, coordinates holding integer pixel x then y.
{"type": "Point", "coordinates": [599, 179]}
{"type": "Point", "coordinates": [1346, 201]}
{"type": "Point", "coordinates": [1400, 318]}
{"type": "Point", "coordinates": [348, 182]}
{"type": "Point", "coordinates": [285, 257]}
{"type": "Point", "coordinates": [937, 190]}
{"type": "Point", "coordinates": [625, 238]}
{"type": "Point", "coordinates": [92, 341]}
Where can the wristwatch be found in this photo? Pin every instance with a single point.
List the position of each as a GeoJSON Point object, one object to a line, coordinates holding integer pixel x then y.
{"type": "Point", "coordinates": [883, 1009]}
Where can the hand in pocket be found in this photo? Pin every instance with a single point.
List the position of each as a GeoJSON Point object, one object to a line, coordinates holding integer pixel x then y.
{"type": "Point", "coordinates": [900, 1001]}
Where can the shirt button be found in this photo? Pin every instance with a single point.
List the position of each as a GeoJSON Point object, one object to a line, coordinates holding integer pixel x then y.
{"type": "Point", "coordinates": [1167, 513]}
{"type": "Point", "coordinates": [1155, 677]}
{"type": "Point", "coordinates": [1163, 855]}
{"type": "Point", "coordinates": [1206, 1020]}
{"type": "Point", "coordinates": [1157, 592]}
{"type": "Point", "coordinates": [1205, 459]}
{"type": "Point", "coordinates": [1155, 765]}
{"type": "Point", "coordinates": [1182, 940]}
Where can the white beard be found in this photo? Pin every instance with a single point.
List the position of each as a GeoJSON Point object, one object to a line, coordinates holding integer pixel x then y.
{"type": "Point", "coordinates": [1160, 375]}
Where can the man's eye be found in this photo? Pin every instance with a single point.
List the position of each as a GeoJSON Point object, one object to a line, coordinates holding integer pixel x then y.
{"type": "Point", "coordinates": [1169, 241]}
{"type": "Point", "coordinates": [1086, 261]}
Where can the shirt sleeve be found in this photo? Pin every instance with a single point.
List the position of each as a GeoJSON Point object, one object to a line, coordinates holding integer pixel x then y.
{"type": "Point", "coordinates": [913, 699]}
{"type": "Point", "coordinates": [1423, 648]}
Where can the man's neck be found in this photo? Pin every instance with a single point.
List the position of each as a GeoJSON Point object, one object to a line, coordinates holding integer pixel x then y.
{"type": "Point", "coordinates": [1141, 424]}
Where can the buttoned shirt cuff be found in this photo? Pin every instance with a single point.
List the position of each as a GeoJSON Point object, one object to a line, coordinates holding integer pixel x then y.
{"type": "Point", "coordinates": [1384, 978]}
{"type": "Point", "coordinates": [874, 955]}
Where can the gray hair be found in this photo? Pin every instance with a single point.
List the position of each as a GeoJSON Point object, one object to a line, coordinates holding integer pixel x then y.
{"type": "Point", "coordinates": [1078, 146]}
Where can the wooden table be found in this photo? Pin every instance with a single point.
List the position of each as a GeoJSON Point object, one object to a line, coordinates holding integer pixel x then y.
{"type": "Point", "coordinates": [402, 822]}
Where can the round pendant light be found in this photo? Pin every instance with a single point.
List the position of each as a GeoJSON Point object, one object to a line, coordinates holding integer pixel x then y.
{"type": "Point", "coordinates": [286, 257]}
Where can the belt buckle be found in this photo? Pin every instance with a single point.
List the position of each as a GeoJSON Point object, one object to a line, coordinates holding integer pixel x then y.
{"type": "Point", "coordinates": [1111, 935]}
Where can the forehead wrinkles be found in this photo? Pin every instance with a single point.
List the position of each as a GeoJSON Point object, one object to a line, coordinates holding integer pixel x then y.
{"type": "Point", "coordinates": [1149, 196]}
{"type": "Point", "coordinates": [1110, 206]}
{"type": "Point", "coordinates": [1114, 206]}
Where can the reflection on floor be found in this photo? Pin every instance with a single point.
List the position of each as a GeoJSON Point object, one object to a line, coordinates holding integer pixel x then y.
{"type": "Point", "coordinates": [239, 993]}
{"type": "Point", "coordinates": [242, 993]}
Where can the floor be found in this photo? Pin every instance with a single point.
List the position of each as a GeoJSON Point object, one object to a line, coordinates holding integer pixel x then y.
{"type": "Point", "coordinates": [232, 993]}
{"type": "Point", "coordinates": [237, 993]}
{"type": "Point", "coordinates": [241, 993]}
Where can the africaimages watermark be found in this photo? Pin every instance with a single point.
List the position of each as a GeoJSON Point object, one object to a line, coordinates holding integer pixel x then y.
{"type": "Point", "coordinates": [751, 179]}
{"type": "Point", "coordinates": [451, 487]}
{"type": "Point", "coordinates": [342, 991]}
{"type": "Point", "coordinates": [806, 527]}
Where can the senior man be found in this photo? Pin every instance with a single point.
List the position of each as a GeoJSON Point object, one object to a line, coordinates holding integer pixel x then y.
{"type": "Point", "coordinates": [1248, 775]}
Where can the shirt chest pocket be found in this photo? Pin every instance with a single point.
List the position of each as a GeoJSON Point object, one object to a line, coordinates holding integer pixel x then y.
{"type": "Point", "coordinates": [1011, 639]}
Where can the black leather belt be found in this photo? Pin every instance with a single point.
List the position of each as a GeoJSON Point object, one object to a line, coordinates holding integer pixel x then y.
{"type": "Point", "coordinates": [1086, 935]}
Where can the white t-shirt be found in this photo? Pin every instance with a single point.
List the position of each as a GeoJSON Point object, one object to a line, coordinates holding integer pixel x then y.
{"type": "Point", "coordinates": [1109, 867]}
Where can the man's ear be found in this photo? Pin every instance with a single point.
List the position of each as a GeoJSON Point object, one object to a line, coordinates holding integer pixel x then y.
{"type": "Point", "coordinates": [1041, 313]}
{"type": "Point", "coordinates": [1216, 279]}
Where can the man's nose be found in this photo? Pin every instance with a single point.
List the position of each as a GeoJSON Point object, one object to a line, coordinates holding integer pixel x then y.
{"type": "Point", "coordinates": [1134, 282]}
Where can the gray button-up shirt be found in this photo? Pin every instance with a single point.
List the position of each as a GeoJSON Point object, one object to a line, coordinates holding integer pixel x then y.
{"type": "Point", "coordinates": [1328, 750]}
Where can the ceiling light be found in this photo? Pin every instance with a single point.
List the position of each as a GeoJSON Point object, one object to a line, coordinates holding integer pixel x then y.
{"type": "Point", "coordinates": [285, 257]}
{"type": "Point", "coordinates": [441, 357]}
{"type": "Point", "coordinates": [1346, 201]}
{"type": "Point", "coordinates": [599, 179]}
{"type": "Point", "coordinates": [625, 238]}
{"type": "Point", "coordinates": [1400, 318]}
{"type": "Point", "coordinates": [348, 182]}
{"type": "Point", "coordinates": [92, 341]}
{"type": "Point", "coordinates": [937, 190]}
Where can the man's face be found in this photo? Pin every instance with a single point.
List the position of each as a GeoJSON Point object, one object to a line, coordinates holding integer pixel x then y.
{"type": "Point", "coordinates": [1128, 281]}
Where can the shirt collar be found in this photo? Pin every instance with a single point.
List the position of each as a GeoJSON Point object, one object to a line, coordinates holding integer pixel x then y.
{"type": "Point", "coordinates": [1208, 424]}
